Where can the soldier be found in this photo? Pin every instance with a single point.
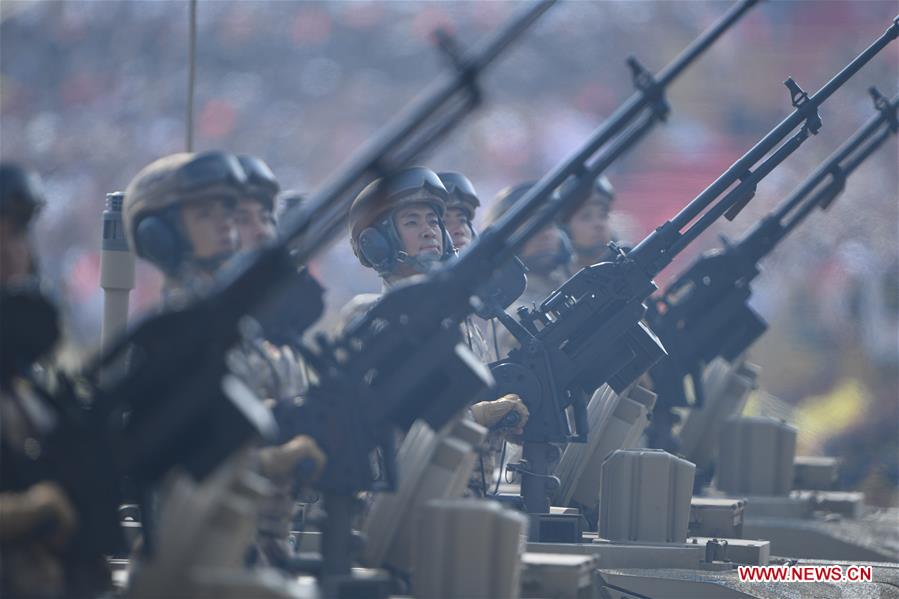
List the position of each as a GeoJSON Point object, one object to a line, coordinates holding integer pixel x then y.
{"type": "Point", "coordinates": [545, 255]}
{"type": "Point", "coordinates": [462, 201]}
{"type": "Point", "coordinates": [460, 210]}
{"type": "Point", "coordinates": [22, 199]}
{"type": "Point", "coordinates": [396, 227]}
{"type": "Point", "coordinates": [587, 226]}
{"type": "Point", "coordinates": [254, 214]}
{"type": "Point", "coordinates": [37, 517]}
{"type": "Point", "coordinates": [179, 213]}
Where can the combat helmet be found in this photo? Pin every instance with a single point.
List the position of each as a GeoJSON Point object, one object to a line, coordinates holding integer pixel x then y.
{"type": "Point", "coordinates": [373, 234]}
{"type": "Point", "coordinates": [507, 198]}
{"type": "Point", "coordinates": [261, 185]}
{"type": "Point", "coordinates": [21, 194]}
{"type": "Point", "coordinates": [601, 192]}
{"type": "Point", "coordinates": [149, 211]}
{"type": "Point", "coordinates": [460, 193]}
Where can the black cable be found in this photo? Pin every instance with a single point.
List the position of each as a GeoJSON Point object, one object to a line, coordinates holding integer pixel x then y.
{"type": "Point", "coordinates": [502, 459]}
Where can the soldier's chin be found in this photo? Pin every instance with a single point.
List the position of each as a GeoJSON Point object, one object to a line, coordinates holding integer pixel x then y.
{"type": "Point", "coordinates": [428, 256]}
{"type": "Point", "coordinates": [542, 263]}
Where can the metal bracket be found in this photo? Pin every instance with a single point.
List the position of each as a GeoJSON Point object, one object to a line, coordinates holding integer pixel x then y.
{"type": "Point", "coordinates": [799, 98]}
{"type": "Point", "coordinates": [836, 186]}
{"type": "Point", "coordinates": [646, 82]}
{"type": "Point", "coordinates": [882, 104]}
{"type": "Point", "coordinates": [734, 210]}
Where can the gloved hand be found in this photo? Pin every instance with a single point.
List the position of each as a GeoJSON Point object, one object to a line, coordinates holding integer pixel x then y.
{"type": "Point", "coordinates": [280, 463]}
{"type": "Point", "coordinates": [491, 413]}
{"type": "Point", "coordinates": [44, 509]}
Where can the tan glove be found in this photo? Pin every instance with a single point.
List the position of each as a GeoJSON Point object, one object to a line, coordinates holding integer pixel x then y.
{"type": "Point", "coordinates": [490, 413]}
{"type": "Point", "coordinates": [43, 504]}
{"type": "Point", "coordinates": [280, 463]}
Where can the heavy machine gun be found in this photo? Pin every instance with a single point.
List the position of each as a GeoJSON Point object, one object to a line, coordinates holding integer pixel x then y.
{"type": "Point", "coordinates": [589, 331]}
{"type": "Point", "coordinates": [176, 405]}
{"type": "Point", "coordinates": [405, 359]}
{"type": "Point", "coordinates": [705, 314]}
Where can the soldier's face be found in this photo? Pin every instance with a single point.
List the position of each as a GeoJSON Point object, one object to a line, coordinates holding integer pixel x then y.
{"type": "Point", "coordinates": [419, 229]}
{"type": "Point", "coordinates": [546, 242]}
{"type": "Point", "coordinates": [15, 252]}
{"type": "Point", "coordinates": [209, 226]}
{"type": "Point", "coordinates": [541, 252]}
{"type": "Point", "coordinates": [589, 226]}
{"type": "Point", "coordinates": [458, 227]}
{"type": "Point", "coordinates": [255, 224]}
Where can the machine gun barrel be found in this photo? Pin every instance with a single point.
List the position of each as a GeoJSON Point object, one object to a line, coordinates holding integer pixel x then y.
{"type": "Point", "coordinates": [246, 284]}
{"type": "Point", "coordinates": [548, 382]}
{"type": "Point", "coordinates": [659, 248]}
{"type": "Point", "coordinates": [500, 241]}
{"type": "Point", "coordinates": [832, 173]}
{"type": "Point", "coordinates": [176, 393]}
{"type": "Point", "coordinates": [589, 330]}
{"type": "Point", "coordinates": [446, 296]}
{"type": "Point", "coordinates": [413, 131]}
{"type": "Point", "coordinates": [704, 313]}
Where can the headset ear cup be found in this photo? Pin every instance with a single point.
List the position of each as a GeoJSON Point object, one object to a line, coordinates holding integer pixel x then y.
{"type": "Point", "coordinates": [375, 249]}
{"type": "Point", "coordinates": [157, 240]}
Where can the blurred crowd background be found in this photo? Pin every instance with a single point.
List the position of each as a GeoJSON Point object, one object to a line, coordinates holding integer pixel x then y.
{"type": "Point", "coordinates": [94, 90]}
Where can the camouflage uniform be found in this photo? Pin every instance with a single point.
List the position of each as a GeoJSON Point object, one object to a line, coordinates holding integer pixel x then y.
{"type": "Point", "coordinates": [273, 373]}
{"type": "Point", "coordinates": [31, 563]}
{"type": "Point", "coordinates": [28, 565]}
{"type": "Point", "coordinates": [37, 516]}
{"type": "Point", "coordinates": [377, 242]}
